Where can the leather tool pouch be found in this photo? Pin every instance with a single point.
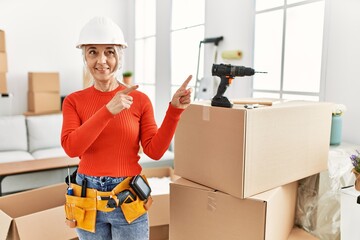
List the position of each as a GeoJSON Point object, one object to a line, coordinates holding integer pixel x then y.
{"type": "Point", "coordinates": [135, 209]}
{"type": "Point", "coordinates": [81, 212]}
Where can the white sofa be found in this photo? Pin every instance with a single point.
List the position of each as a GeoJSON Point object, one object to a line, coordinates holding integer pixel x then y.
{"type": "Point", "coordinates": [38, 137]}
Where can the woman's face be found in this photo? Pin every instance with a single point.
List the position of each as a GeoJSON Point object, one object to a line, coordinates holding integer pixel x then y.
{"type": "Point", "coordinates": [101, 60]}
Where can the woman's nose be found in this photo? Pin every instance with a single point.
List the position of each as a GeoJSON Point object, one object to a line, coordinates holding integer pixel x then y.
{"type": "Point", "coordinates": [101, 58]}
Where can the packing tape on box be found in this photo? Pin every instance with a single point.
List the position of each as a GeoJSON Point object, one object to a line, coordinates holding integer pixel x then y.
{"type": "Point", "coordinates": [234, 54]}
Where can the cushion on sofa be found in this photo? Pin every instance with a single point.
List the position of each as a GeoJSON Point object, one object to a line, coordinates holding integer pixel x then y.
{"type": "Point", "coordinates": [14, 156]}
{"type": "Point", "coordinates": [13, 136]}
{"type": "Point", "coordinates": [49, 153]}
{"type": "Point", "coordinates": [44, 131]}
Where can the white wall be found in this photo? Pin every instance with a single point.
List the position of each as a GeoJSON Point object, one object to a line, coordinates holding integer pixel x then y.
{"type": "Point", "coordinates": [234, 20]}
{"type": "Point", "coordinates": [343, 63]}
{"type": "Point", "coordinates": [41, 36]}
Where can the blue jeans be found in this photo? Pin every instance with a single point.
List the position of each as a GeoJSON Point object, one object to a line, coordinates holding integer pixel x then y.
{"type": "Point", "coordinates": [112, 225]}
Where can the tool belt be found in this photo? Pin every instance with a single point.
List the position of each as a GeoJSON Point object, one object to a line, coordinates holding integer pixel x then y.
{"type": "Point", "coordinates": [81, 211]}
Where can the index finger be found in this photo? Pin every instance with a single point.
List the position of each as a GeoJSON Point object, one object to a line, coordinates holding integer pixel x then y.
{"type": "Point", "coordinates": [129, 89]}
{"type": "Point", "coordinates": [186, 82]}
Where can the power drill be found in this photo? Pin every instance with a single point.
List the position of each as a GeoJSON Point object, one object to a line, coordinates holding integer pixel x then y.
{"type": "Point", "coordinates": [227, 73]}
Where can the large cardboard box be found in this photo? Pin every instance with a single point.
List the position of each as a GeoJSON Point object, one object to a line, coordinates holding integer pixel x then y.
{"type": "Point", "coordinates": [350, 213]}
{"type": "Point", "coordinates": [199, 212]}
{"type": "Point", "coordinates": [2, 41]}
{"type": "Point", "coordinates": [44, 102]}
{"type": "Point", "coordinates": [3, 62]}
{"type": "Point", "coordinates": [3, 83]}
{"type": "Point", "coordinates": [44, 81]}
{"type": "Point", "coordinates": [39, 214]}
{"type": "Point", "coordinates": [159, 213]}
{"type": "Point", "coordinates": [247, 151]}
{"type": "Point", "coordinates": [35, 214]}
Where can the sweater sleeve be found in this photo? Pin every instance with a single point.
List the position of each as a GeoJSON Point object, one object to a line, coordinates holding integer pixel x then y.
{"type": "Point", "coordinates": [76, 137]}
{"type": "Point", "coordinates": [156, 141]}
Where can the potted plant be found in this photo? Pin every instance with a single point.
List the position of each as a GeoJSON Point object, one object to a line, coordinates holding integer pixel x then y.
{"type": "Point", "coordinates": [127, 77]}
{"type": "Point", "coordinates": [355, 160]}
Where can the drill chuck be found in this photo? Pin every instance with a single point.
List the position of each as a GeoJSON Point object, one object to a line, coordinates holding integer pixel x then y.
{"type": "Point", "coordinates": [231, 71]}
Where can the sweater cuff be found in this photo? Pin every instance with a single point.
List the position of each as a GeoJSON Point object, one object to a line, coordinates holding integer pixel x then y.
{"type": "Point", "coordinates": [105, 112]}
{"type": "Point", "coordinates": [174, 111]}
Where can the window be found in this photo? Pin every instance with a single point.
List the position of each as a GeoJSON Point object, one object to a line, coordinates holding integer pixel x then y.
{"type": "Point", "coordinates": [176, 30]}
{"type": "Point", "coordinates": [288, 45]}
{"type": "Point", "coordinates": [145, 46]}
{"type": "Point", "coordinates": [187, 30]}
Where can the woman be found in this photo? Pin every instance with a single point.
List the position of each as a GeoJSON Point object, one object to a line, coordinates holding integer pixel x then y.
{"type": "Point", "coordinates": [105, 123]}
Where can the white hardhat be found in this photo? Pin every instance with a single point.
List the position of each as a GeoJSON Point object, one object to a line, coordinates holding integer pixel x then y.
{"type": "Point", "coordinates": [101, 30]}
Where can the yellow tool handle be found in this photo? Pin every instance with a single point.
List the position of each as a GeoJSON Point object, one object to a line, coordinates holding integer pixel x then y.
{"type": "Point", "coordinates": [253, 102]}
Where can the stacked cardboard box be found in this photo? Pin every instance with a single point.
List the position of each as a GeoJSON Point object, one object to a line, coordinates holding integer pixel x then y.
{"type": "Point", "coordinates": [39, 213]}
{"type": "Point", "coordinates": [5, 97]}
{"type": "Point", "coordinates": [242, 166]}
{"type": "Point", "coordinates": [44, 92]}
{"type": "Point", "coordinates": [3, 63]}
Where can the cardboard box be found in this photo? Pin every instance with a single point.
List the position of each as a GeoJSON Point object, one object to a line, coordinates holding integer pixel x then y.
{"type": "Point", "coordinates": [301, 234]}
{"type": "Point", "coordinates": [39, 213]}
{"type": "Point", "coordinates": [35, 214]}
{"type": "Point", "coordinates": [199, 212]}
{"type": "Point", "coordinates": [3, 62]}
{"type": "Point", "coordinates": [2, 41]}
{"type": "Point", "coordinates": [39, 102]}
{"type": "Point", "coordinates": [159, 232]}
{"type": "Point", "coordinates": [350, 213]}
{"type": "Point", "coordinates": [44, 81]}
{"type": "Point", "coordinates": [247, 151]}
{"type": "Point", "coordinates": [3, 83]}
{"type": "Point", "coordinates": [159, 213]}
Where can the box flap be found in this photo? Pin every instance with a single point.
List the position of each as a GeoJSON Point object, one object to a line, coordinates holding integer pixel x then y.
{"type": "Point", "coordinates": [159, 213]}
{"type": "Point", "coordinates": [281, 211]}
{"type": "Point", "coordinates": [157, 172]}
{"type": "Point", "coordinates": [5, 224]}
{"type": "Point", "coordinates": [20, 204]}
{"type": "Point", "coordinates": [48, 224]}
{"type": "Point", "coordinates": [188, 183]}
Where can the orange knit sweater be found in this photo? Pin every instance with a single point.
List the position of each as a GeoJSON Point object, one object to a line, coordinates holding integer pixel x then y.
{"type": "Point", "coordinates": [108, 145]}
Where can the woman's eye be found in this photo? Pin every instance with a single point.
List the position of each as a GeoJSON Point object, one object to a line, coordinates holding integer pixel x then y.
{"type": "Point", "coordinates": [110, 52]}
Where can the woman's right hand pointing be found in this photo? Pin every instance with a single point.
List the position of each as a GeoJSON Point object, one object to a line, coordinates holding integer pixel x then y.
{"type": "Point", "coordinates": [122, 100]}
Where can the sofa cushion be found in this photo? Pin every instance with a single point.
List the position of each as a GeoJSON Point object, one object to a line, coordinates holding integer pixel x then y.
{"type": "Point", "coordinates": [44, 131]}
{"type": "Point", "coordinates": [13, 134]}
{"type": "Point", "coordinates": [14, 156]}
{"type": "Point", "coordinates": [49, 153]}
